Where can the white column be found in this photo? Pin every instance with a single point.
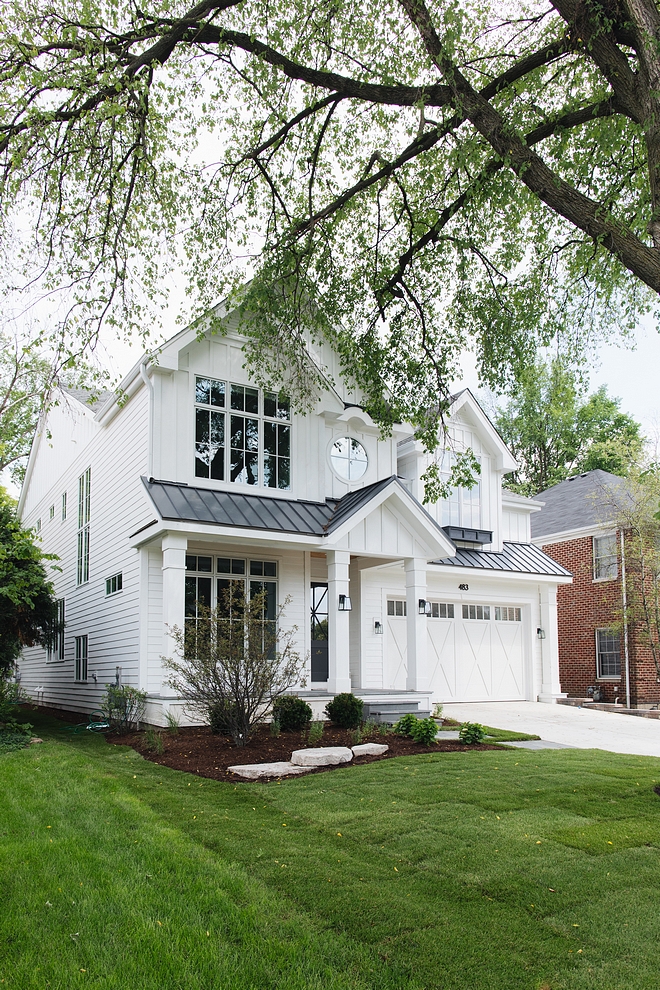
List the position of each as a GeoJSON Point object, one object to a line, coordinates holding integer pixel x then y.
{"type": "Point", "coordinates": [417, 678]}
{"type": "Point", "coordinates": [174, 588]}
{"type": "Point", "coordinates": [550, 685]}
{"type": "Point", "coordinates": [339, 677]}
{"type": "Point", "coordinates": [143, 666]}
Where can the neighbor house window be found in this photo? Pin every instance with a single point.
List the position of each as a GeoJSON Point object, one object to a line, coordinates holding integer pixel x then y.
{"type": "Point", "coordinates": [608, 653]}
{"type": "Point", "coordinates": [81, 658]}
{"type": "Point", "coordinates": [63, 505]}
{"type": "Point", "coordinates": [84, 505]}
{"type": "Point", "coordinates": [56, 646]}
{"type": "Point", "coordinates": [476, 611]}
{"type": "Point", "coordinates": [114, 584]}
{"type": "Point", "coordinates": [242, 434]}
{"type": "Point", "coordinates": [463, 507]}
{"type": "Point", "coordinates": [606, 566]}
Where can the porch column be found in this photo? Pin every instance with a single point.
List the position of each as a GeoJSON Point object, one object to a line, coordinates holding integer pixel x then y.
{"type": "Point", "coordinates": [550, 685]}
{"type": "Point", "coordinates": [339, 677]}
{"type": "Point", "coordinates": [417, 679]}
{"type": "Point", "coordinates": [174, 588]}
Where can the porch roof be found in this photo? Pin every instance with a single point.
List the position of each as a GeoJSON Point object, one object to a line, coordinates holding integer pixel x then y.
{"type": "Point", "coordinates": [184, 503]}
{"type": "Point", "coordinates": [522, 558]}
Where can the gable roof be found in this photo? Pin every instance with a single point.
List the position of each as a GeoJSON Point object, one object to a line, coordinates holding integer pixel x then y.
{"type": "Point", "coordinates": [520, 558]}
{"type": "Point", "coordinates": [573, 504]}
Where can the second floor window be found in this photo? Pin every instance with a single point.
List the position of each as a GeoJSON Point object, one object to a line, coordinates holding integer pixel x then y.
{"type": "Point", "coordinates": [606, 567]}
{"type": "Point", "coordinates": [242, 434]}
{"type": "Point", "coordinates": [463, 507]}
{"type": "Point", "coordinates": [84, 509]}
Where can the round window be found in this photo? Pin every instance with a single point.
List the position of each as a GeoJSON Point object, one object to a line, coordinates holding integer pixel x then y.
{"type": "Point", "coordinates": [348, 458]}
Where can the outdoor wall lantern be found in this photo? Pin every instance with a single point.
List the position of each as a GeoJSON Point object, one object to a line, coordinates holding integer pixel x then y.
{"type": "Point", "coordinates": [423, 607]}
{"type": "Point", "coordinates": [540, 633]}
{"type": "Point", "coordinates": [344, 603]}
{"type": "Point", "coordinates": [378, 627]}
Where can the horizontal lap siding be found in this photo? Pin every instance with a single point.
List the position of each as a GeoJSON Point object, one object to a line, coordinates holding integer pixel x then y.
{"type": "Point", "coordinates": [117, 455]}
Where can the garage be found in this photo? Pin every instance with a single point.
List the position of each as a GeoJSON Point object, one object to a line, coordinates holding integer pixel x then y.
{"type": "Point", "coordinates": [475, 651]}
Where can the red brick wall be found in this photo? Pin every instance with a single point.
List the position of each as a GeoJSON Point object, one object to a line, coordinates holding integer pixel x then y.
{"type": "Point", "coordinates": [583, 607]}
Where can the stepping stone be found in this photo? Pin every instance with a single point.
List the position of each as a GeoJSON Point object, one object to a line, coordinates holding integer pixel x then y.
{"type": "Point", "coordinates": [370, 749]}
{"type": "Point", "coordinates": [325, 756]}
{"type": "Point", "coordinates": [253, 771]}
{"type": "Point", "coordinates": [35, 739]}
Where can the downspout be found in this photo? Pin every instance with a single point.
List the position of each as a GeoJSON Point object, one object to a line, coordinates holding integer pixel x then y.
{"type": "Point", "coordinates": [147, 381]}
{"type": "Point", "coordinates": [625, 618]}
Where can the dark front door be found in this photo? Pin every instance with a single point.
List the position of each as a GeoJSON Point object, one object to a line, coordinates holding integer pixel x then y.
{"type": "Point", "coordinates": [319, 632]}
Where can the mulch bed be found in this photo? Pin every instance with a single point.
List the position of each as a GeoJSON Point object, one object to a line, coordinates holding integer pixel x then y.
{"type": "Point", "coordinates": [198, 751]}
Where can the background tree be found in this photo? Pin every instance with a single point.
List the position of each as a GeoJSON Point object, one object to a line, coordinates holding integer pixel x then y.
{"type": "Point", "coordinates": [632, 507]}
{"type": "Point", "coordinates": [554, 430]}
{"type": "Point", "coordinates": [235, 660]}
{"type": "Point", "coordinates": [30, 376]}
{"type": "Point", "coordinates": [401, 184]}
{"type": "Point", "coordinates": [28, 610]}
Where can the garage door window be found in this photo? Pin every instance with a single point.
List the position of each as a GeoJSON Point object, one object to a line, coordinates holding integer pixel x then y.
{"type": "Point", "coordinates": [505, 614]}
{"type": "Point", "coordinates": [476, 611]}
{"type": "Point", "coordinates": [396, 607]}
{"type": "Point", "coordinates": [442, 610]}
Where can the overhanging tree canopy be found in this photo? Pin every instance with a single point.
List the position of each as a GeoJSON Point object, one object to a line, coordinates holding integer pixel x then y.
{"type": "Point", "coordinates": [406, 178]}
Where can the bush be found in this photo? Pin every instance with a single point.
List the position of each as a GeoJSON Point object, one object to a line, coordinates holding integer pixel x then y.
{"type": "Point", "coordinates": [315, 734]}
{"type": "Point", "coordinates": [471, 733]}
{"type": "Point", "coordinates": [292, 713]}
{"type": "Point", "coordinates": [424, 731]}
{"type": "Point", "coordinates": [275, 729]}
{"type": "Point", "coordinates": [10, 698]}
{"type": "Point", "coordinates": [124, 706]}
{"type": "Point", "coordinates": [405, 724]}
{"type": "Point", "coordinates": [155, 741]}
{"type": "Point", "coordinates": [437, 710]}
{"type": "Point", "coordinates": [11, 740]}
{"type": "Point", "coordinates": [219, 716]}
{"type": "Point", "coordinates": [345, 710]}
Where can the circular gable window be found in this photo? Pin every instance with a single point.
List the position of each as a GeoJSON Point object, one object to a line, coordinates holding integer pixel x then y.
{"type": "Point", "coordinates": [348, 458]}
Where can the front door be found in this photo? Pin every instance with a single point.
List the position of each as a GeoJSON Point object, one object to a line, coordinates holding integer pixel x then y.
{"type": "Point", "coordinates": [319, 632]}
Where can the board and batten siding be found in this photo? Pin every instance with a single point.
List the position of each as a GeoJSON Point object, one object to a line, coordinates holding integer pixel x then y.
{"type": "Point", "coordinates": [117, 456]}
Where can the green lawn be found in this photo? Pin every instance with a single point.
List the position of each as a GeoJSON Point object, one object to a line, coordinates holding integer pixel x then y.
{"type": "Point", "coordinates": [497, 869]}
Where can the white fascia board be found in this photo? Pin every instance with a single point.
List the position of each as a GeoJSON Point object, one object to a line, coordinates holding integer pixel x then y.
{"type": "Point", "coordinates": [505, 461]}
{"type": "Point", "coordinates": [34, 452]}
{"type": "Point", "coordinates": [520, 502]}
{"type": "Point", "coordinates": [210, 533]}
{"type": "Point", "coordinates": [566, 535]}
{"type": "Point", "coordinates": [469, 574]}
{"type": "Point", "coordinates": [423, 526]}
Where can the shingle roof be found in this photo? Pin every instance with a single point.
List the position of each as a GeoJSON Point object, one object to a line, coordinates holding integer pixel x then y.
{"type": "Point", "coordinates": [573, 504]}
{"type": "Point", "coordinates": [89, 397]}
{"type": "Point", "coordinates": [522, 558]}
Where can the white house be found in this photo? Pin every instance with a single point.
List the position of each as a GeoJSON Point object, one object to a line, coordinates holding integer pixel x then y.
{"type": "Point", "coordinates": [194, 477]}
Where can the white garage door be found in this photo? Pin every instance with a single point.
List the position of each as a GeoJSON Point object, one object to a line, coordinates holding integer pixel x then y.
{"type": "Point", "coordinates": [476, 652]}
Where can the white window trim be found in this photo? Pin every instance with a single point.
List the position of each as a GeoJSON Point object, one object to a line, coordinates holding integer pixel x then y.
{"type": "Point", "coordinates": [261, 418]}
{"type": "Point", "coordinates": [604, 678]}
{"type": "Point", "coordinates": [77, 659]}
{"type": "Point", "coordinates": [601, 580]}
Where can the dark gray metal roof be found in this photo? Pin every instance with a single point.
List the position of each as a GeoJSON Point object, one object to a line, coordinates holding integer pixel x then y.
{"type": "Point", "coordinates": [523, 558]}
{"type": "Point", "coordinates": [574, 503]}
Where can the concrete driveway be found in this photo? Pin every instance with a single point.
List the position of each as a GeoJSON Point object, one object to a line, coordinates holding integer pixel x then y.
{"type": "Point", "coordinates": [579, 727]}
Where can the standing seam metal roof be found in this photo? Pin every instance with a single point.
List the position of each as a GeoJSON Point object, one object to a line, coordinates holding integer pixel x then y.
{"type": "Point", "coordinates": [521, 558]}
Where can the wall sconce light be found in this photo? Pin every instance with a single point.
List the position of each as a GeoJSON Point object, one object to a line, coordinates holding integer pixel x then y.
{"type": "Point", "coordinates": [423, 607]}
{"type": "Point", "coordinates": [378, 627]}
{"type": "Point", "coordinates": [344, 604]}
{"type": "Point", "coordinates": [540, 633]}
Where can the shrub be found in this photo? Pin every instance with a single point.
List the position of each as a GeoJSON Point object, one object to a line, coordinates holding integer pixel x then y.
{"type": "Point", "coordinates": [315, 733]}
{"type": "Point", "coordinates": [471, 733]}
{"type": "Point", "coordinates": [173, 722]}
{"type": "Point", "coordinates": [405, 724]}
{"type": "Point", "coordinates": [11, 740]}
{"type": "Point", "coordinates": [356, 736]}
{"type": "Point", "coordinates": [424, 731]}
{"type": "Point", "coordinates": [345, 710]}
{"type": "Point", "coordinates": [124, 706]}
{"type": "Point", "coordinates": [292, 713]}
{"type": "Point", "coordinates": [370, 728]}
{"type": "Point", "coordinates": [243, 663]}
{"type": "Point", "coordinates": [275, 728]}
{"type": "Point", "coordinates": [154, 741]}
{"type": "Point", "coordinates": [10, 698]}
{"type": "Point", "coordinates": [219, 716]}
{"type": "Point", "coordinates": [437, 710]}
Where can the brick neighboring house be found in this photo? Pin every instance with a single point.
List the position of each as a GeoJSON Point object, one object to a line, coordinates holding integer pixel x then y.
{"type": "Point", "coordinates": [572, 529]}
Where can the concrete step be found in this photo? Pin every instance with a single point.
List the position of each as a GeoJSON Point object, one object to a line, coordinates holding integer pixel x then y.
{"type": "Point", "coordinates": [390, 706]}
{"type": "Point", "coordinates": [390, 717]}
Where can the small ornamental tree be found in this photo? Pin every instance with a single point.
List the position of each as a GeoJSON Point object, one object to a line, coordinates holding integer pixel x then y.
{"type": "Point", "coordinates": [234, 658]}
{"type": "Point", "coordinates": [28, 610]}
